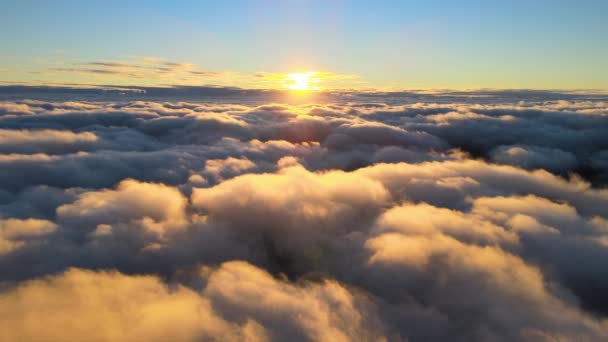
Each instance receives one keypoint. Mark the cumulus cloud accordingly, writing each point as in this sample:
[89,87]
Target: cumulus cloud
[238,302]
[128,308]
[156,207]
[534,157]
[36,141]
[15,233]
[475,216]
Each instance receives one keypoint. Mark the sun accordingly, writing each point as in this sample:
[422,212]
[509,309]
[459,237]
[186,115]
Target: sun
[300,81]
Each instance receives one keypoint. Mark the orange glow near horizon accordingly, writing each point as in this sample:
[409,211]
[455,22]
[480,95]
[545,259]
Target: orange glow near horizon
[301,81]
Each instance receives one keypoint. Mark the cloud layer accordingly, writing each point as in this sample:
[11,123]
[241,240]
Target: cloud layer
[477,219]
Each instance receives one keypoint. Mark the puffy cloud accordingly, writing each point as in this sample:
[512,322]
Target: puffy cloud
[403,216]
[15,233]
[156,207]
[315,311]
[32,141]
[293,216]
[239,302]
[105,306]
[227,167]
[554,160]
[14,108]
[424,219]
[507,298]
[449,183]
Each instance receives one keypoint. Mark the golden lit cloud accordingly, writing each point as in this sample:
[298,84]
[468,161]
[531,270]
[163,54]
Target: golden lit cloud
[16,233]
[356,220]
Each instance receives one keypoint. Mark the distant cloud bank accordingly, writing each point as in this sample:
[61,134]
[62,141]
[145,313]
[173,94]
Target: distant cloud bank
[467,216]
[160,72]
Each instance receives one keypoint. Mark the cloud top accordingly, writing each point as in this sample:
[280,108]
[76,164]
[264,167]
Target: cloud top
[378,217]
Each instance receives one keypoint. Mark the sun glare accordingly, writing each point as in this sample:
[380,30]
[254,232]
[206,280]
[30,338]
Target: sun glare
[300,81]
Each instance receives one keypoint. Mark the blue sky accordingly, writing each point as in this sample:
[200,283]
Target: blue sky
[401,44]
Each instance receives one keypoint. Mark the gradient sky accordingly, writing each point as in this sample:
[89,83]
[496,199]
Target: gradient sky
[360,44]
